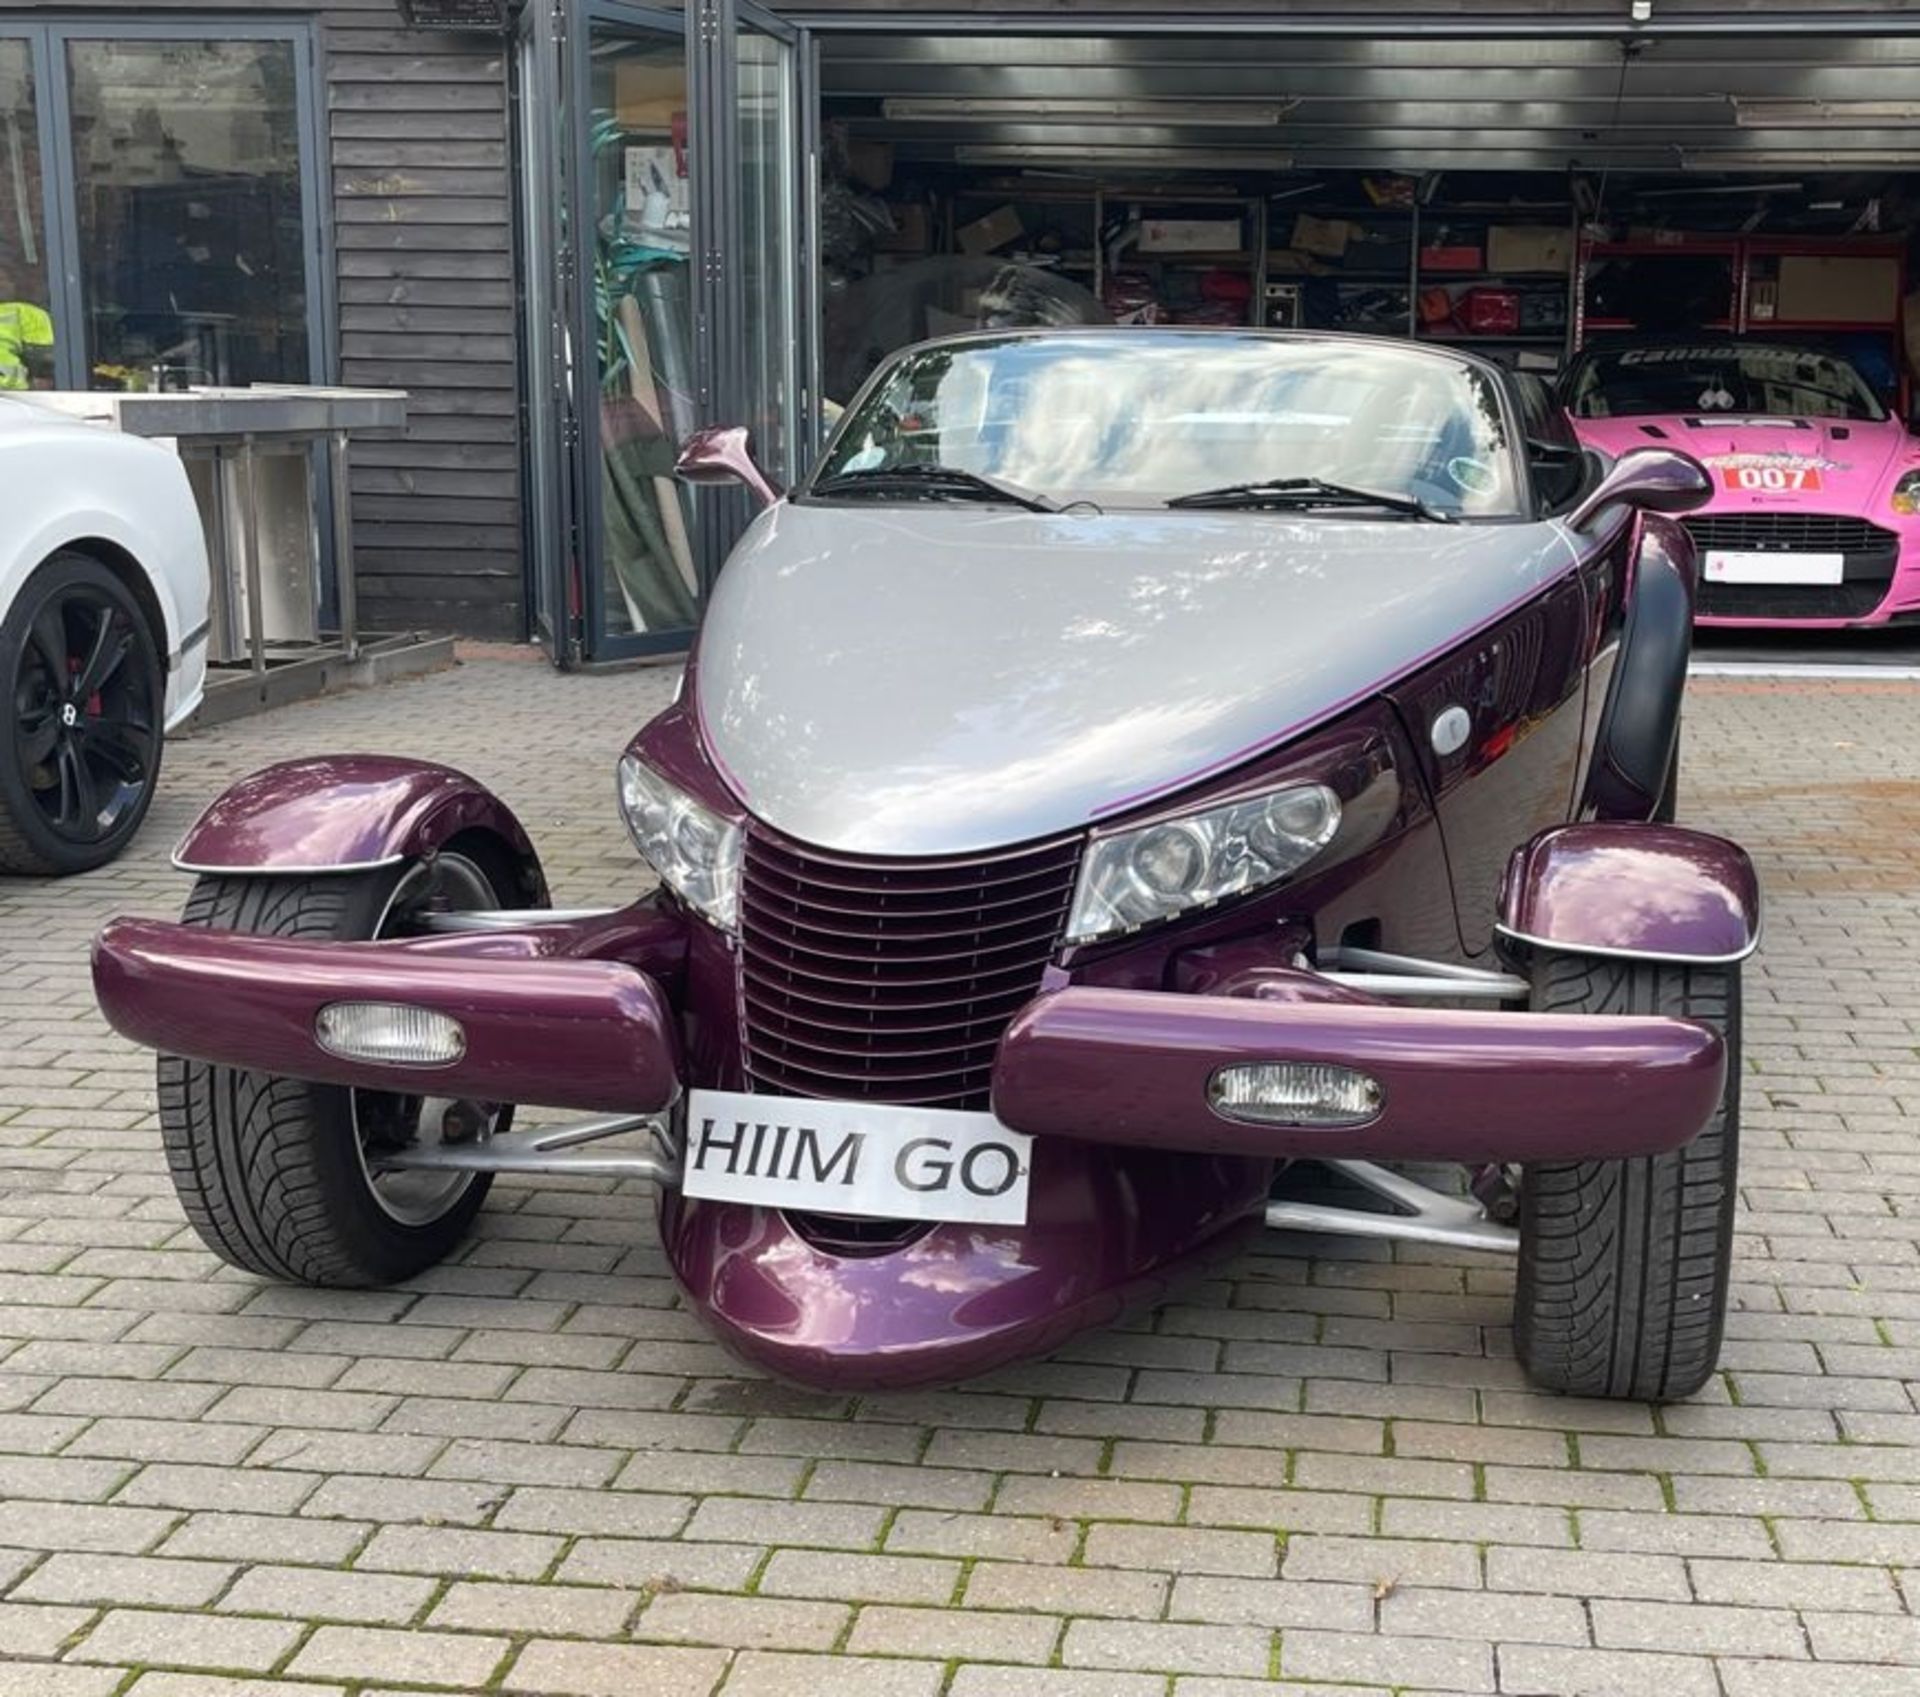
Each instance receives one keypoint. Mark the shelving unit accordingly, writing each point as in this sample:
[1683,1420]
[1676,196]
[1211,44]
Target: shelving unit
[1085,257]
[1377,283]
[1753,263]
[1251,210]
[1411,235]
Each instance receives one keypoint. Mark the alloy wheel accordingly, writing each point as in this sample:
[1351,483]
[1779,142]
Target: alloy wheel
[83,725]
[385,1122]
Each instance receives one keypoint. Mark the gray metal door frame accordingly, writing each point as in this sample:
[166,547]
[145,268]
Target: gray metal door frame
[709,29]
[548,410]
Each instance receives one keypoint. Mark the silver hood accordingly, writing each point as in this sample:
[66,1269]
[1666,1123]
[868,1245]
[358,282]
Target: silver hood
[934,680]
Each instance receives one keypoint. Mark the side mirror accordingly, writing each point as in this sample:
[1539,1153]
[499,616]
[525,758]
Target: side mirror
[1656,480]
[723,453]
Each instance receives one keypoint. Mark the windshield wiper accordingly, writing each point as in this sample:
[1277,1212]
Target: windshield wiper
[934,480]
[1310,492]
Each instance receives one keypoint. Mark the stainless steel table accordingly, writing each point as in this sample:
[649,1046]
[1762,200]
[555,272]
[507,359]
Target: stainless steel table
[249,455]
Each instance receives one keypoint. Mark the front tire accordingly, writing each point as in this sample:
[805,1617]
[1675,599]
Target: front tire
[1624,1264]
[281,1176]
[85,692]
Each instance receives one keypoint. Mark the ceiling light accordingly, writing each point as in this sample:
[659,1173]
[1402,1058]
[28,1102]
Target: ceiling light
[1045,110]
[1821,114]
[1797,159]
[1095,153]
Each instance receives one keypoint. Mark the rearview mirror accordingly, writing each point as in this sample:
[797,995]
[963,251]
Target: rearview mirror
[1656,480]
[723,453]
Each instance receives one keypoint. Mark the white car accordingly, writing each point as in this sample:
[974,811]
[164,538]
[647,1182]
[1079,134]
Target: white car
[103,633]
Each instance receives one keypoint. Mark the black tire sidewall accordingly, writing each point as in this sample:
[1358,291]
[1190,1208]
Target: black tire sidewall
[27,843]
[1666,1299]
[363,1243]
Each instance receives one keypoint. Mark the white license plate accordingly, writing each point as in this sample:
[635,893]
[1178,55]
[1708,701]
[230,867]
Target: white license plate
[1724,566]
[867,1159]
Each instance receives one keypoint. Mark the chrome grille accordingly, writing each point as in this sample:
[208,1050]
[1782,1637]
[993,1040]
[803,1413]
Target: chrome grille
[892,980]
[1791,533]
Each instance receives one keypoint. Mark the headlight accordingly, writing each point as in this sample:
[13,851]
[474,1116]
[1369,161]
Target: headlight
[1137,877]
[1906,494]
[695,851]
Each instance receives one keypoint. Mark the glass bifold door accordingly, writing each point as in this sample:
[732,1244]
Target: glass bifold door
[663,158]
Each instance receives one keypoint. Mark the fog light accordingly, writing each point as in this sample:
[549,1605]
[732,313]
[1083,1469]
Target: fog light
[389,1032]
[1305,1093]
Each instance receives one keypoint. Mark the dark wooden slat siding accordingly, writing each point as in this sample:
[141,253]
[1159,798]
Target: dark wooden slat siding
[423,225]
[416,129]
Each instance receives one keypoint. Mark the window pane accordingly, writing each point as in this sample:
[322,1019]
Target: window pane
[26,329]
[642,240]
[187,175]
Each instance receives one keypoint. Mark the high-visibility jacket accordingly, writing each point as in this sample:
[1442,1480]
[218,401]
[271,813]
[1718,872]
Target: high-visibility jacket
[22,326]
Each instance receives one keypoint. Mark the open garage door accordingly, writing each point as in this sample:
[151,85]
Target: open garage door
[1732,207]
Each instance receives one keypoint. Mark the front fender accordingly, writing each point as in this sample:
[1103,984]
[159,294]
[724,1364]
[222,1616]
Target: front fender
[1654,892]
[349,813]
[1633,747]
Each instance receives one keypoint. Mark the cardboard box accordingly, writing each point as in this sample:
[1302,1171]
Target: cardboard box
[1190,235]
[1290,262]
[647,96]
[1326,238]
[912,231]
[1839,288]
[1524,247]
[983,235]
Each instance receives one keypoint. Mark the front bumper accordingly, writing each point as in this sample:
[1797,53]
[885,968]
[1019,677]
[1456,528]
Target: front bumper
[1880,577]
[1136,1182]
[565,1033]
[1119,1067]
[1132,1067]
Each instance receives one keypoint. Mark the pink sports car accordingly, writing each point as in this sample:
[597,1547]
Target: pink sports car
[1815,517]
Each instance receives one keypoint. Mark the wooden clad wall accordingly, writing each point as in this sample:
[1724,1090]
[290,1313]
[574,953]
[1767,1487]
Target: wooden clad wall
[423,240]
[416,128]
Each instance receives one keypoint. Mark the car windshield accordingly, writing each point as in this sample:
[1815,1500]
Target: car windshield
[1141,418]
[1745,379]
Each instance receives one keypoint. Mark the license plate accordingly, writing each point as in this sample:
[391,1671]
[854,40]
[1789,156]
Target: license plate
[1725,567]
[867,1159]
[1771,479]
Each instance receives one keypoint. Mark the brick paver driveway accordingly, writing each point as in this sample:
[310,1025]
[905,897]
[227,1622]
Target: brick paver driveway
[530,1472]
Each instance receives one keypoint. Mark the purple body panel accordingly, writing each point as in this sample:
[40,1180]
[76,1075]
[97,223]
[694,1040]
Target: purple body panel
[1117,1066]
[566,1033]
[1107,1229]
[346,810]
[1521,685]
[1656,891]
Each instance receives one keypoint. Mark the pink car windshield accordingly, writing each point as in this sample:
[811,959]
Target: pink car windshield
[1737,379]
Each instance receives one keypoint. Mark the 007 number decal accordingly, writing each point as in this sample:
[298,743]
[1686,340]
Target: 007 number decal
[1770,479]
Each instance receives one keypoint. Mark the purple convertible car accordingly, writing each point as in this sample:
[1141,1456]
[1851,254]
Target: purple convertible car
[1135,771]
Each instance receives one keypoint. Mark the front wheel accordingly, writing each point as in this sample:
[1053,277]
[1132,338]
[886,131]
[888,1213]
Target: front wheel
[85,688]
[1624,1264]
[284,1177]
